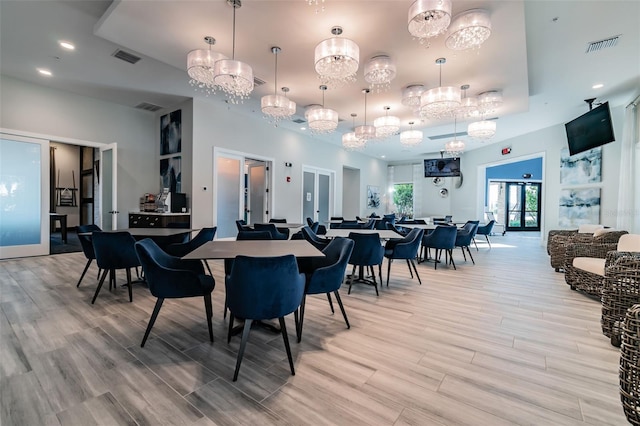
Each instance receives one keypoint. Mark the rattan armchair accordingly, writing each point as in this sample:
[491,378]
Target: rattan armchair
[581,272]
[555,246]
[630,366]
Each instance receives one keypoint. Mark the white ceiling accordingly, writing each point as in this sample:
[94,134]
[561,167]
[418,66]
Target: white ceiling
[535,56]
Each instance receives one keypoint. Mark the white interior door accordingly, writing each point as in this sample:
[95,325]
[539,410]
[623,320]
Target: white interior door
[229,193]
[317,194]
[24,200]
[108,187]
[257,200]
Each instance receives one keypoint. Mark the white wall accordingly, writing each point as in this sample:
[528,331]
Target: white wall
[37,109]
[216,124]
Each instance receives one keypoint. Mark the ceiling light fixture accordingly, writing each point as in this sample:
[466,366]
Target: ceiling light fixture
[318,4]
[387,125]
[597,86]
[428,19]
[350,141]
[469,29]
[489,102]
[483,129]
[67,45]
[379,71]
[454,147]
[468,105]
[365,132]
[277,107]
[410,138]
[45,72]
[200,67]
[440,102]
[411,95]
[337,59]
[321,119]
[235,78]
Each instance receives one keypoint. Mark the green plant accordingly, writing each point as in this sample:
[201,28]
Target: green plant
[403,199]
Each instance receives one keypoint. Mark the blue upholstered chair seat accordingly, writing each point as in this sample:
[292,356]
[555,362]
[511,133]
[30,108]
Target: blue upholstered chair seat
[367,252]
[441,238]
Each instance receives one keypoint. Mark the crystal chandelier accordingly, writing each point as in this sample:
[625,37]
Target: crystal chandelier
[490,101]
[410,138]
[387,125]
[379,71]
[440,102]
[365,132]
[321,119]
[469,29]
[318,4]
[200,66]
[429,18]
[468,105]
[277,107]
[454,147]
[350,141]
[484,129]
[337,60]
[235,78]
[411,95]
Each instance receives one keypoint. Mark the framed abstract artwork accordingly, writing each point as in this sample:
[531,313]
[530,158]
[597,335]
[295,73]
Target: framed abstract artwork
[582,168]
[171,174]
[373,197]
[171,133]
[579,206]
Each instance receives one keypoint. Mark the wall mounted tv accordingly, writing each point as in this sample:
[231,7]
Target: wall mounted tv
[441,167]
[590,130]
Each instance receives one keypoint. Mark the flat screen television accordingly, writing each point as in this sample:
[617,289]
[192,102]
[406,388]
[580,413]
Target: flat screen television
[590,130]
[441,167]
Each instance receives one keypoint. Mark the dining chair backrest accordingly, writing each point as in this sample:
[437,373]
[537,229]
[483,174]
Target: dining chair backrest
[85,240]
[371,223]
[350,224]
[470,226]
[277,220]
[254,235]
[182,249]
[115,250]
[312,237]
[264,287]
[448,218]
[407,247]
[367,249]
[271,228]
[465,235]
[328,272]
[486,229]
[443,237]
[241,224]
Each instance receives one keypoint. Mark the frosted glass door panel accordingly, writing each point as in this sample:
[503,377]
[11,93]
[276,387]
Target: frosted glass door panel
[229,193]
[108,187]
[24,219]
[257,192]
[308,196]
[324,190]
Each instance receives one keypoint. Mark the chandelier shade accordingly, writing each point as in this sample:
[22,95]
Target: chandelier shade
[484,129]
[428,18]
[201,64]
[366,132]
[379,71]
[410,138]
[235,78]
[277,107]
[337,60]
[489,102]
[411,95]
[386,125]
[321,120]
[454,148]
[351,142]
[440,102]
[469,29]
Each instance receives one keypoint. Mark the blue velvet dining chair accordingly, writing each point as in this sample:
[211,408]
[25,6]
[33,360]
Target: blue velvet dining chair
[261,288]
[442,238]
[367,253]
[276,234]
[241,224]
[326,276]
[318,242]
[316,227]
[404,248]
[114,250]
[277,220]
[464,237]
[485,230]
[87,247]
[182,249]
[170,277]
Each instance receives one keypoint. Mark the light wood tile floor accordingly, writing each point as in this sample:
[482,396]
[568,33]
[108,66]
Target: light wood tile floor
[502,342]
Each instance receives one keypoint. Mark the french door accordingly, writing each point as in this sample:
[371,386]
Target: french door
[523,201]
[108,178]
[316,194]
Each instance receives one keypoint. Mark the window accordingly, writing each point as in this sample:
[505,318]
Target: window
[403,199]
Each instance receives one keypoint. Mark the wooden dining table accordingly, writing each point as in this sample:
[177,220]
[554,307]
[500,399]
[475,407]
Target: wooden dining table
[385,234]
[223,249]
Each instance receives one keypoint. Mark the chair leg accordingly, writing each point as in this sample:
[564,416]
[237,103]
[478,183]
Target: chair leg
[231,318]
[353,272]
[209,310]
[285,337]
[473,261]
[488,241]
[375,282]
[330,303]
[410,271]
[243,343]
[436,259]
[463,253]
[411,262]
[130,285]
[380,272]
[207,265]
[301,318]
[152,320]
[84,272]
[344,313]
[475,244]
[451,257]
[388,271]
[104,275]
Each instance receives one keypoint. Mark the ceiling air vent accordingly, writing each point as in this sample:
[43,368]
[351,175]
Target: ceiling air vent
[448,135]
[126,56]
[257,82]
[595,46]
[299,120]
[148,107]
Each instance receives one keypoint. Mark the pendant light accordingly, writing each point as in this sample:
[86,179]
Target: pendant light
[321,119]
[277,107]
[440,102]
[365,132]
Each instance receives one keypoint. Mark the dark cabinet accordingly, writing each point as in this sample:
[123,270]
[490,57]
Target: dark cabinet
[146,220]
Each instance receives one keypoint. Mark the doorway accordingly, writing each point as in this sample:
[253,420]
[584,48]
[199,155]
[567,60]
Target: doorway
[523,201]
[317,194]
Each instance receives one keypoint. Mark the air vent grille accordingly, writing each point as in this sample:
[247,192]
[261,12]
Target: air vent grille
[257,82]
[299,120]
[448,135]
[596,46]
[148,107]
[126,56]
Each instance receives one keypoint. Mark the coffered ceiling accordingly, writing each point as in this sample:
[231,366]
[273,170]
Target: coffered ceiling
[535,56]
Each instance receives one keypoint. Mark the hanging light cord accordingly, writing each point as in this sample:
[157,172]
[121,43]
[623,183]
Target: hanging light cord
[233,48]
[275,84]
[323,99]
[365,108]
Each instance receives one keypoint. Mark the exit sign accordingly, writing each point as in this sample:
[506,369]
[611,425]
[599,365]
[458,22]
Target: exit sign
[506,151]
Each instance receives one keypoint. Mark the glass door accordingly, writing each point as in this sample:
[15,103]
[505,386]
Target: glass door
[108,178]
[316,194]
[523,201]
[24,201]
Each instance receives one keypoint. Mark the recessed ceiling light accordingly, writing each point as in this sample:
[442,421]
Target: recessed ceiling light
[383,156]
[44,72]
[67,45]
[597,86]
[303,128]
